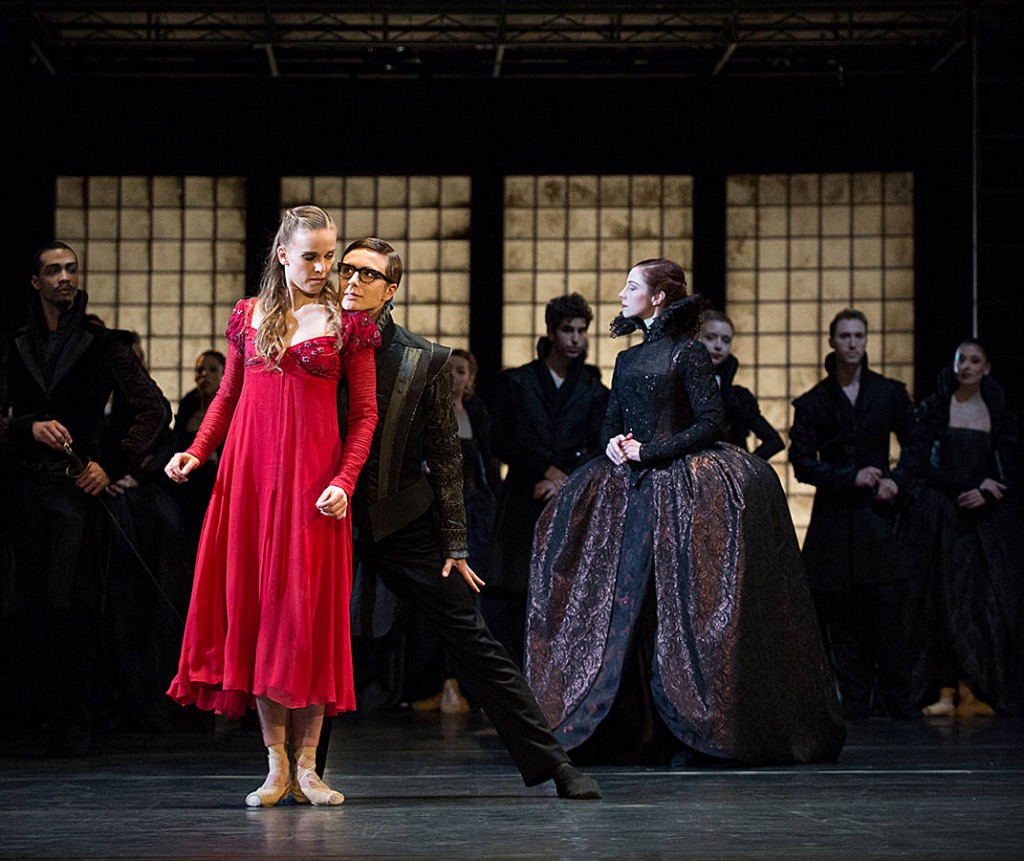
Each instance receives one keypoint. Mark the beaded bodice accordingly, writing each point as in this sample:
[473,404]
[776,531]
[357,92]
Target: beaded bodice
[318,356]
[664,393]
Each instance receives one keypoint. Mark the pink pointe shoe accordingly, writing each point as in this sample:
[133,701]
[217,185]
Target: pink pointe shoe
[278,779]
[308,788]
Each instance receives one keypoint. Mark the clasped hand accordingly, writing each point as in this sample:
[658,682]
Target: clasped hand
[552,482]
[975,497]
[621,448]
[871,477]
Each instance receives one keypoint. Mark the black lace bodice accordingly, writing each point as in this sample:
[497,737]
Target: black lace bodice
[664,393]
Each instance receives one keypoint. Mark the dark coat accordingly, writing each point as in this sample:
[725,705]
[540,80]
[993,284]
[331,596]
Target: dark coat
[536,426]
[488,471]
[850,538]
[94,363]
[69,376]
[481,486]
[415,462]
[743,415]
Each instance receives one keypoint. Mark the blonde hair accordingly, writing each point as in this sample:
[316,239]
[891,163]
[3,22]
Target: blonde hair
[275,299]
[470,390]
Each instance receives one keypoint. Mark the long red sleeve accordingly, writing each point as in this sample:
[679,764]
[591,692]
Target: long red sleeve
[361,378]
[218,416]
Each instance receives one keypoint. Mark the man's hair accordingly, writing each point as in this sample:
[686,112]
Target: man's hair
[393,271]
[55,245]
[567,307]
[846,314]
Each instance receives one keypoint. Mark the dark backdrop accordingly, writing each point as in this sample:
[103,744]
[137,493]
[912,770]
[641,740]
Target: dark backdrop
[265,128]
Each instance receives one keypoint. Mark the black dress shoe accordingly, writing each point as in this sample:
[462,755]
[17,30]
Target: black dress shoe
[574,784]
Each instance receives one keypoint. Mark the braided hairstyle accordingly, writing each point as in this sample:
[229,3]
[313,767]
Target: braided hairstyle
[275,299]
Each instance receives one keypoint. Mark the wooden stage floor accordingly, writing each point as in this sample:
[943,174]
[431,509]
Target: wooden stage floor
[428,786]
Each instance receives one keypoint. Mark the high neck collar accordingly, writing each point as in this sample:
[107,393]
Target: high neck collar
[679,318]
[69,318]
[386,326]
[832,365]
[383,318]
[726,371]
[655,327]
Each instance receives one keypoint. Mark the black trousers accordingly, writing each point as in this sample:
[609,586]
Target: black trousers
[409,563]
[56,587]
[869,648]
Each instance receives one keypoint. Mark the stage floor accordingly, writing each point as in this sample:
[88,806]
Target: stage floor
[423,785]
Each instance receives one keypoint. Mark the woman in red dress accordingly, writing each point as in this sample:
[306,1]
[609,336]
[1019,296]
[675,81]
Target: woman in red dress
[268,620]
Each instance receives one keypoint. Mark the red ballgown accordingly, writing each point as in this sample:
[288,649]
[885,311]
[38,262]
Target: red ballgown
[269,614]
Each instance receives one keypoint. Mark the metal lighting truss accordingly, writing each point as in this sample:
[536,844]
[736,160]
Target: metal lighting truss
[476,40]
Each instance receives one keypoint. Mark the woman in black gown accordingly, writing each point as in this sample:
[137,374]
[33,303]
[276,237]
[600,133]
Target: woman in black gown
[742,412]
[965,525]
[668,603]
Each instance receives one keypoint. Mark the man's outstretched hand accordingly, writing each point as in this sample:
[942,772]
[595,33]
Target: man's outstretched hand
[468,574]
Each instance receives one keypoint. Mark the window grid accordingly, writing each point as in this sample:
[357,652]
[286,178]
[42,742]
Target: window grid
[163,256]
[581,234]
[800,248]
[426,219]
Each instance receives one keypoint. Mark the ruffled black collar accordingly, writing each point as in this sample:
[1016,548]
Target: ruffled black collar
[680,318]
[726,371]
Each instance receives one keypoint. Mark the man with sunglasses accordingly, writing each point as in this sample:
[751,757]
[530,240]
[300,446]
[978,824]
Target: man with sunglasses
[410,525]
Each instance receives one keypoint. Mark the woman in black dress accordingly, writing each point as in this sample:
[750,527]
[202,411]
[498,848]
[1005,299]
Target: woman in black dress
[668,603]
[965,525]
[742,412]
